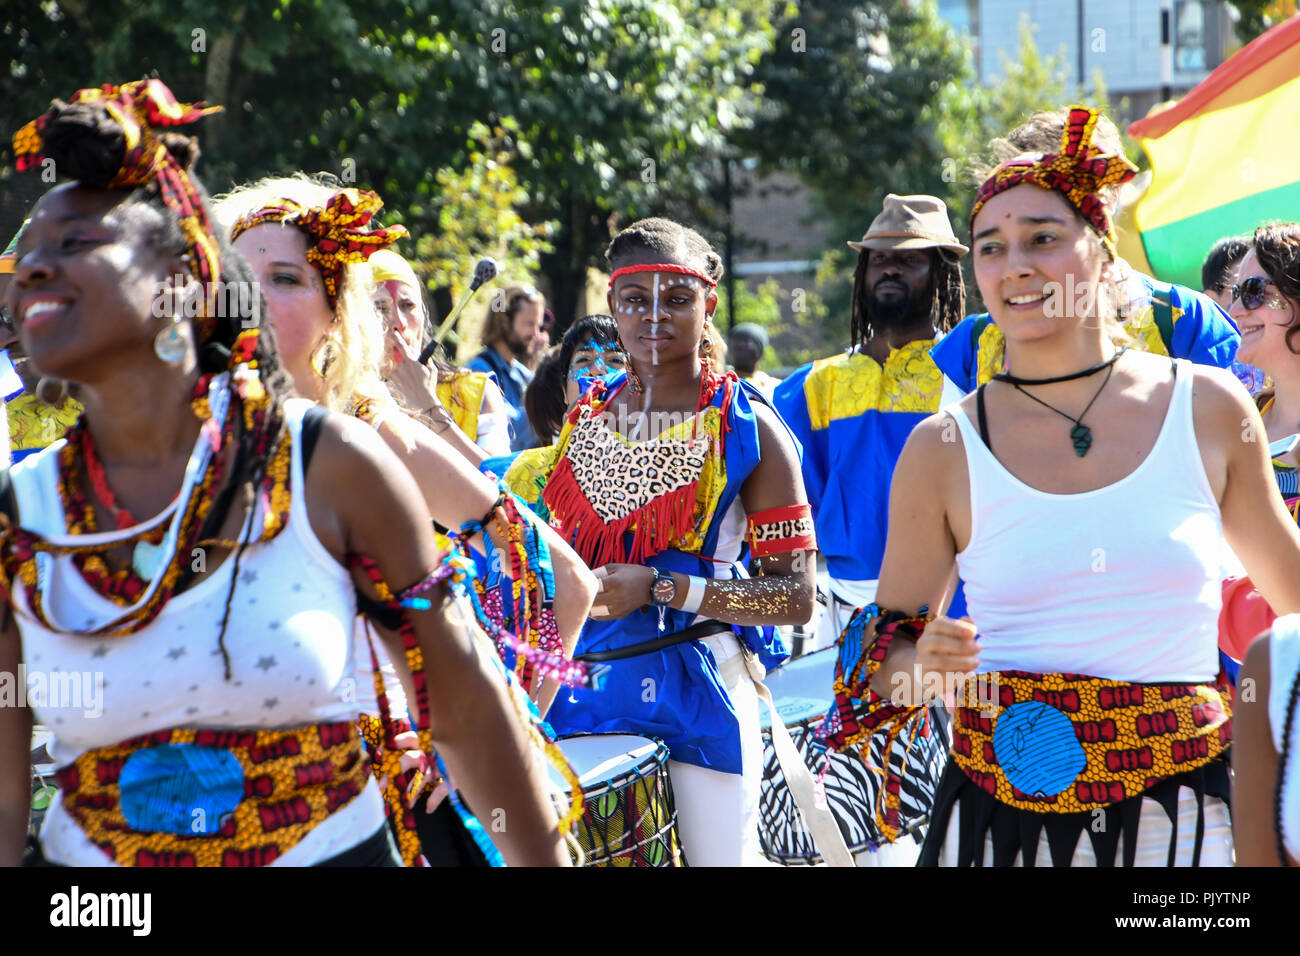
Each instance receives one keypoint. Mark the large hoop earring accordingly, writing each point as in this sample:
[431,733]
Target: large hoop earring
[43,387]
[322,358]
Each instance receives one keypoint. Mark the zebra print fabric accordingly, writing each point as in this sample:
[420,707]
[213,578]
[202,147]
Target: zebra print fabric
[851,787]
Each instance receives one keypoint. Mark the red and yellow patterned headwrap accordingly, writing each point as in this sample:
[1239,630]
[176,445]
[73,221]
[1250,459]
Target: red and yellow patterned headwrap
[140,108]
[1079,172]
[337,232]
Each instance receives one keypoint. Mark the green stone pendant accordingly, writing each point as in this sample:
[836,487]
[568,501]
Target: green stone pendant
[1081,435]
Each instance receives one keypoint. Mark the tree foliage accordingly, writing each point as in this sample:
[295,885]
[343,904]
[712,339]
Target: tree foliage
[1257,16]
[616,108]
[853,94]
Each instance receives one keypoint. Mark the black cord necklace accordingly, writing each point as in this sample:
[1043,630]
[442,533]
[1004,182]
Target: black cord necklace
[1080,434]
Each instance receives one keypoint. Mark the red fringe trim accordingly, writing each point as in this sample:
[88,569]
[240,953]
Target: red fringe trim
[658,524]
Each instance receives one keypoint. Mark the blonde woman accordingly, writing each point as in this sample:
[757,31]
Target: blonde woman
[298,235]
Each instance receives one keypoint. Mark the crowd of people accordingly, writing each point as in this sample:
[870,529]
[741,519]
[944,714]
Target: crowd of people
[347,607]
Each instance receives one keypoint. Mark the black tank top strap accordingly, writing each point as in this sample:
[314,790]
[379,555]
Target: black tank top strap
[983,417]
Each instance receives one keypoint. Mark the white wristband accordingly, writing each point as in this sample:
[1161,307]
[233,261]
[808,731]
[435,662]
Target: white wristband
[694,594]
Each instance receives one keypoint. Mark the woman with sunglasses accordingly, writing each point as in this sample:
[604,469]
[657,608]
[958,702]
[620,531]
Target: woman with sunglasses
[1266,784]
[1270,337]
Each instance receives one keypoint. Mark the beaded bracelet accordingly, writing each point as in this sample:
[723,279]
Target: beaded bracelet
[471,528]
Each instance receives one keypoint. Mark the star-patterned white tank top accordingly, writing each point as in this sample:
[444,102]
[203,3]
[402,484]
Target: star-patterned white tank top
[289,638]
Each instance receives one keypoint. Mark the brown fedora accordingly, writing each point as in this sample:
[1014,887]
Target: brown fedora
[911,222]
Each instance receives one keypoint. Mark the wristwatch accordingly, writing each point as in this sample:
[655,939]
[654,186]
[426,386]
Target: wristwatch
[664,589]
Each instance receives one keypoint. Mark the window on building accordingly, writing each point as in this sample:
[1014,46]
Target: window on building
[1189,36]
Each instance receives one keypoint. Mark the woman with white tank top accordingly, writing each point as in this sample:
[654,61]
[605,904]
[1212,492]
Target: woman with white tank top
[1082,496]
[193,665]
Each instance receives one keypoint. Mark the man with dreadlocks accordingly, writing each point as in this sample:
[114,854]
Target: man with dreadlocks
[853,412]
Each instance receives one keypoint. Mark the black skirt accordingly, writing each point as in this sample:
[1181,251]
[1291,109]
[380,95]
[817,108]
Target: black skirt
[1014,831]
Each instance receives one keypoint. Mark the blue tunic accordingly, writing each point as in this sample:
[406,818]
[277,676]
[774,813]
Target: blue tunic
[1200,331]
[853,416]
[675,694]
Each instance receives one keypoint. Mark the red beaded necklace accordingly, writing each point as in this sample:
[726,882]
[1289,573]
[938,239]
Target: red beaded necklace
[99,482]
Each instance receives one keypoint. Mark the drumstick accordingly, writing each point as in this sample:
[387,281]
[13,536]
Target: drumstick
[484,272]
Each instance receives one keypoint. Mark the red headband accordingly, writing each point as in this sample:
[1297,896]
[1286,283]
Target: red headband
[663,267]
[1079,172]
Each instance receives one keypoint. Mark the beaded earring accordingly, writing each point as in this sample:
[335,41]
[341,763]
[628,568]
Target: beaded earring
[706,348]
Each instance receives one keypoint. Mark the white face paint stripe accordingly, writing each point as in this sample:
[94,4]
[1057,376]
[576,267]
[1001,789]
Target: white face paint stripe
[654,323]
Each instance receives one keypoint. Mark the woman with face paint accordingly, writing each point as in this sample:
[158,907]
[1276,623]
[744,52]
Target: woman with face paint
[191,548]
[1084,496]
[588,353]
[452,402]
[667,480]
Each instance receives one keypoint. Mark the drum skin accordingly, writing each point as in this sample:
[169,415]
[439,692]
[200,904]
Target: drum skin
[802,691]
[628,814]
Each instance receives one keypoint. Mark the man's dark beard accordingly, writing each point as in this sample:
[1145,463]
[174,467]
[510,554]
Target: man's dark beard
[518,348]
[904,312]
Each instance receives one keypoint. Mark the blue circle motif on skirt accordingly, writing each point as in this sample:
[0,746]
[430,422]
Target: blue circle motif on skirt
[180,788]
[1037,749]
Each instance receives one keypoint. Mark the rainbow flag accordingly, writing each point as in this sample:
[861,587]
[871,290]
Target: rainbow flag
[1224,158]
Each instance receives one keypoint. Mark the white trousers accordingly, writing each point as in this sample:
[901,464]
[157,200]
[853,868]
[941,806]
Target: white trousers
[717,813]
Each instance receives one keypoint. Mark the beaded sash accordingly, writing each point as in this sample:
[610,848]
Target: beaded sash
[212,797]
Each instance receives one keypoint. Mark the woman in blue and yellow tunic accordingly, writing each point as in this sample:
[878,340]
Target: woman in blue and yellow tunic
[440,395]
[697,475]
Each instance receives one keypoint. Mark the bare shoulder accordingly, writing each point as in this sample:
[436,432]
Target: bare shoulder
[1219,393]
[348,445]
[934,447]
[494,399]
[350,456]
[773,435]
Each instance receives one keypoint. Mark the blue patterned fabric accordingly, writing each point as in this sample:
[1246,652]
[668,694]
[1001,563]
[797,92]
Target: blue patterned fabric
[1202,333]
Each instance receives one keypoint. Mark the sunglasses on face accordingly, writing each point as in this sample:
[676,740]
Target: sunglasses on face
[1252,294]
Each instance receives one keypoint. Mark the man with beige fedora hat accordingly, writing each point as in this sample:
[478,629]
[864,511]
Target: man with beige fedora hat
[853,412]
